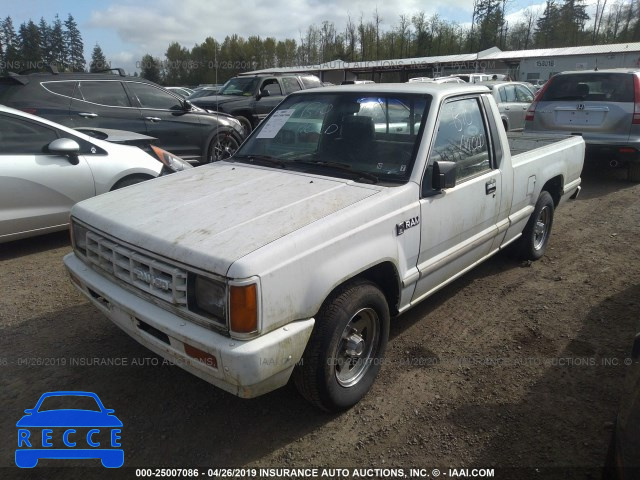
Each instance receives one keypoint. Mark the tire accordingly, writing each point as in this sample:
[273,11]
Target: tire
[346,348]
[127,181]
[222,146]
[633,172]
[247,127]
[535,236]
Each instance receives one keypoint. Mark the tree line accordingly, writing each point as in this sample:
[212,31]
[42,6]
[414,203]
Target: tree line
[562,23]
[34,46]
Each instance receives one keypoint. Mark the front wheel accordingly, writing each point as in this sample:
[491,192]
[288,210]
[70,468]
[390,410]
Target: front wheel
[346,348]
[535,236]
[222,146]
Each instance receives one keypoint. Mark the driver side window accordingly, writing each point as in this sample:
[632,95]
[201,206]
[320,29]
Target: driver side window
[461,137]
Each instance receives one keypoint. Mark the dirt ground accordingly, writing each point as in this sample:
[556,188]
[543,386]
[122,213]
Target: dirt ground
[515,366]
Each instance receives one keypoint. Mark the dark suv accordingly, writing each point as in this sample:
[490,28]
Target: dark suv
[107,100]
[250,98]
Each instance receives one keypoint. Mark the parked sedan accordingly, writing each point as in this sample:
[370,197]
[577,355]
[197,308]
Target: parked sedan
[46,168]
[513,99]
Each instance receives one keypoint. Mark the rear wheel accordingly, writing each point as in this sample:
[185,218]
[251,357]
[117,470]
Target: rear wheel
[222,146]
[535,236]
[345,352]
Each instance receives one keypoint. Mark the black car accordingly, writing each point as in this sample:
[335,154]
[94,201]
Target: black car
[250,98]
[108,100]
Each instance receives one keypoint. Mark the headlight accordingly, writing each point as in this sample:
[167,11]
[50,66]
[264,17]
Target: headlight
[79,236]
[208,298]
[169,160]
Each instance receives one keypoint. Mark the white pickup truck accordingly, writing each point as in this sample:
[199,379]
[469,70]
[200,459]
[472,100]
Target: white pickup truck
[345,207]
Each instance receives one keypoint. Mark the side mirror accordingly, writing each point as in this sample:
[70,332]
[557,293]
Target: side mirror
[187,105]
[444,175]
[65,146]
[263,93]
[29,411]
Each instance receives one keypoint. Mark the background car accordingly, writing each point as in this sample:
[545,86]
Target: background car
[513,99]
[603,106]
[204,91]
[250,98]
[118,101]
[183,92]
[47,168]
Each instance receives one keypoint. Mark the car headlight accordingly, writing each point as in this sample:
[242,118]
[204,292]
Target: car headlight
[208,298]
[239,303]
[169,160]
[79,237]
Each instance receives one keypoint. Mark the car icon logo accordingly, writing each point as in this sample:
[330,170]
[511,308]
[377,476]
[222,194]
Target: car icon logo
[54,430]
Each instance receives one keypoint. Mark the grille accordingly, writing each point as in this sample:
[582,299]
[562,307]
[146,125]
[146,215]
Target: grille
[152,276]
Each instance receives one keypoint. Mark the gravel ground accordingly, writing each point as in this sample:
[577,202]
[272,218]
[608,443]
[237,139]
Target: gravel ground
[516,367]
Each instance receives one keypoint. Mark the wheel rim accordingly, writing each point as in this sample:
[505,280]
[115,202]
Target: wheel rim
[357,347]
[541,228]
[223,147]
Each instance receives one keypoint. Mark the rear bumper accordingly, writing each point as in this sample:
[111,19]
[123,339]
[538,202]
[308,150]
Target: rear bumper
[621,153]
[245,368]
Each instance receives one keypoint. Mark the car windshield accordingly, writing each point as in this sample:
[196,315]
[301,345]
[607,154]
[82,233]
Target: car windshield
[369,137]
[239,86]
[66,402]
[593,86]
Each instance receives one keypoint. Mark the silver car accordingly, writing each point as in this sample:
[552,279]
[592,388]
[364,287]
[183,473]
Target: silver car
[513,99]
[603,106]
[47,168]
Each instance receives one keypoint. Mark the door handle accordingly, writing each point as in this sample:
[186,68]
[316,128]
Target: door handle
[88,114]
[490,187]
[153,119]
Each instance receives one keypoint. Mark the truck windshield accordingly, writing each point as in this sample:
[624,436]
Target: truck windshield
[374,135]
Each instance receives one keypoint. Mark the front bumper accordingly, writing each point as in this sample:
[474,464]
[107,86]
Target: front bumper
[246,368]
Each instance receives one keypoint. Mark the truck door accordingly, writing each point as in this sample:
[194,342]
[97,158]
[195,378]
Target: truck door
[458,224]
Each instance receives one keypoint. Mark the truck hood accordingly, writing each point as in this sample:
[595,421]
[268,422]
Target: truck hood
[211,216]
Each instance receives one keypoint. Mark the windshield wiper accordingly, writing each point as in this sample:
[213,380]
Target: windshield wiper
[343,167]
[260,158]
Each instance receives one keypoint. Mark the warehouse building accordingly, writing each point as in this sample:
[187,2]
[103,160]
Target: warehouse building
[524,65]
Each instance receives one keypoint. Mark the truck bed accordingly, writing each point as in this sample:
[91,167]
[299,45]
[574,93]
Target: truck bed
[520,142]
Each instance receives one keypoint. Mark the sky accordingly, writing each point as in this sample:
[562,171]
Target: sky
[128,29]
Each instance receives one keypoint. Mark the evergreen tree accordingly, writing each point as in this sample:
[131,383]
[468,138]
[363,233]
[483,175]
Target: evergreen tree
[29,40]
[11,46]
[150,68]
[57,44]
[98,60]
[573,18]
[548,26]
[45,40]
[74,47]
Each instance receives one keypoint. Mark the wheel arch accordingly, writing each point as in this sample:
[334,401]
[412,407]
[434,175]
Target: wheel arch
[384,275]
[143,177]
[554,186]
